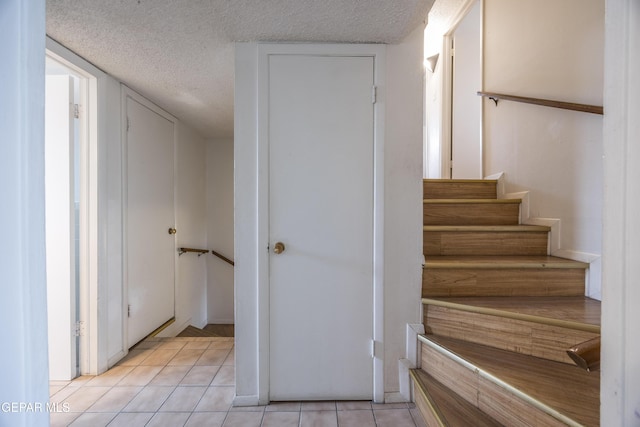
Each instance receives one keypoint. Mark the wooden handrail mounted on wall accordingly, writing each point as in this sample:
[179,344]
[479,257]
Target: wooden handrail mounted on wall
[222,257]
[495,97]
[198,251]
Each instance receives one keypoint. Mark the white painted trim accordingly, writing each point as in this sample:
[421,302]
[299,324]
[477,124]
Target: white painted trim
[394,397]
[412,348]
[246,401]
[447,95]
[93,285]
[263,52]
[125,93]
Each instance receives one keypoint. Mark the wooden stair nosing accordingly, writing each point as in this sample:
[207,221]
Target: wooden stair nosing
[432,391]
[503,262]
[487,228]
[496,380]
[550,321]
[472,201]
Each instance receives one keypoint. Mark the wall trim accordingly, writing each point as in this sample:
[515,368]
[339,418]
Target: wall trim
[246,401]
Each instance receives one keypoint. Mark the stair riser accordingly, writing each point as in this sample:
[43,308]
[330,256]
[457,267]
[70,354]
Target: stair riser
[495,401]
[459,190]
[471,214]
[425,410]
[456,282]
[545,341]
[484,243]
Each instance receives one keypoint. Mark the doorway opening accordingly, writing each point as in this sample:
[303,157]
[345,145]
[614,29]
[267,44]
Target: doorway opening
[69,217]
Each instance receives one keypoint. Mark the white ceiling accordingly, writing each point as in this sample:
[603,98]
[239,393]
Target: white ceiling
[180,54]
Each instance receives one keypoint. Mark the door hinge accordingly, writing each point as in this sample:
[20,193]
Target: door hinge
[76,111]
[79,329]
[373,349]
[374,94]
[129,310]
[128,123]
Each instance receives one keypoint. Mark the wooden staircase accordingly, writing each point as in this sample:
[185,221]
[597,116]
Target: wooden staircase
[500,315]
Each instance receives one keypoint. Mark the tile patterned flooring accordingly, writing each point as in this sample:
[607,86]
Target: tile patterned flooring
[186,381]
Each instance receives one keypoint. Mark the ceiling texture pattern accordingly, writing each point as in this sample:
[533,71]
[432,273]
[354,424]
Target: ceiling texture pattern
[180,53]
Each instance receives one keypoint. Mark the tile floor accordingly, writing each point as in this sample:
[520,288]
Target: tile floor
[190,382]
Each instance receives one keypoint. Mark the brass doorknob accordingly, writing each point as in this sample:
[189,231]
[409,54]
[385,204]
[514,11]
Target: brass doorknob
[172,230]
[278,248]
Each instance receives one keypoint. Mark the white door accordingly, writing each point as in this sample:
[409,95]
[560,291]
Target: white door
[60,227]
[321,209]
[150,216]
[466,104]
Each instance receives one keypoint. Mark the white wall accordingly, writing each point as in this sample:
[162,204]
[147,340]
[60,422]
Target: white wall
[554,50]
[191,223]
[403,198]
[23,306]
[220,290]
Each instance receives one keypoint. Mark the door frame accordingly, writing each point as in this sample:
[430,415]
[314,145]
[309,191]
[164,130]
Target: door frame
[127,93]
[92,356]
[377,52]
[447,85]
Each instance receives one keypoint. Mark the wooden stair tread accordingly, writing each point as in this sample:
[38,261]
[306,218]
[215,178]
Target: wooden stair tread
[460,181]
[497,261]
[459,188]
[449,408]
[488,228]
[580,313]
[564,388]
[472,201]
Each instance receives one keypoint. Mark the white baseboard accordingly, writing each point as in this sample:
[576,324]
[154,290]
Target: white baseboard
[221,321]
[412,351]
[174,329]
[394,397]
[246,401]
[593,286]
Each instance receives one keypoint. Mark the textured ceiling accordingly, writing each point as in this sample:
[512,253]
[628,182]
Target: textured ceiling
[179,53]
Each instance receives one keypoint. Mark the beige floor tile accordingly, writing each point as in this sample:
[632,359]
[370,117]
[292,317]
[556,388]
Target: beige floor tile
[172,343]
[183,399]
[115,399]
[225,376]
[417,417]
[243,419]
[170,375]
[62,419]
[231,358]
[91,419]
[318,419]
[319,406]
[169,419]
[281,419]
[53,389]
[140,375]
[247,409]
[220,345]
[206,419]
[187,357]
[146,344]
[216,398]
[202,345]
[200,375]
[377,406]
[160,357]
[353,405]
[393,418]
[110,378]
[150,399]
[134,357]
[356,418]
[215,357]
[284,406]
[84,397]
[63,394]
[81,380]
[132,419]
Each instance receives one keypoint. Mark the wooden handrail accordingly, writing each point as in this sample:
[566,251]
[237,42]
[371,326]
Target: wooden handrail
[587,354]
[594,109]
[198,251]
[222,257]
